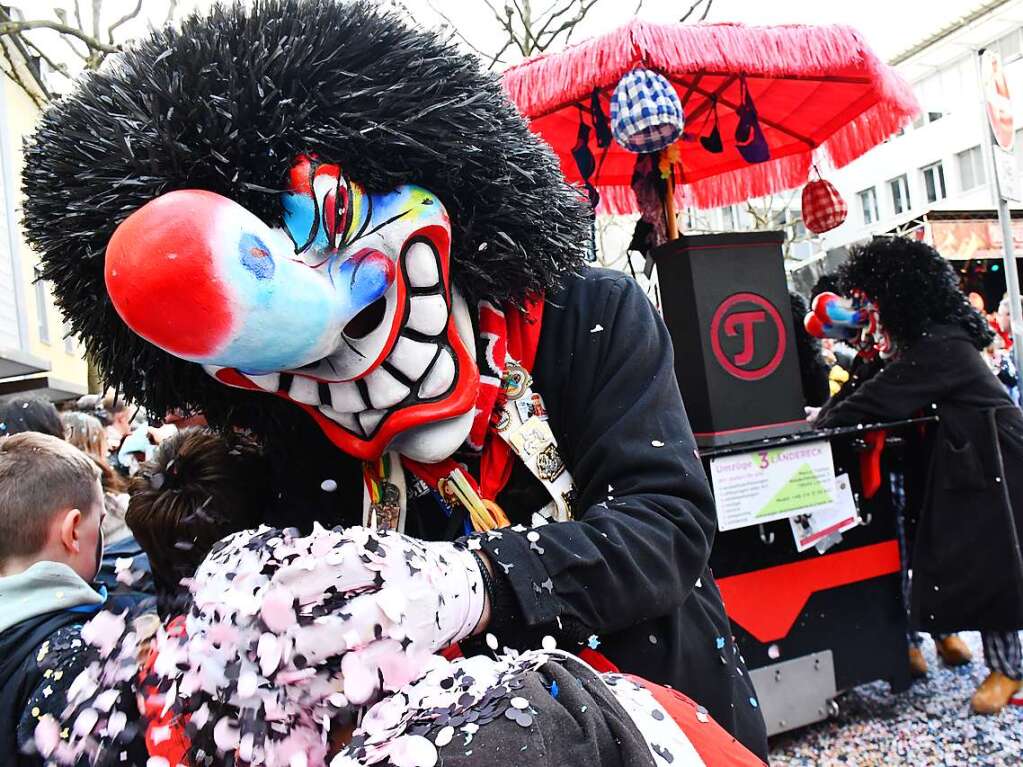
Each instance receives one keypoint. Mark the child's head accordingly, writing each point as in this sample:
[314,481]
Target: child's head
[85,432]
[51,505]
[197,488]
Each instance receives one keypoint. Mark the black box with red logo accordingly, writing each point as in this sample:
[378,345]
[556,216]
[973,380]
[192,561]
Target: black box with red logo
[726,304]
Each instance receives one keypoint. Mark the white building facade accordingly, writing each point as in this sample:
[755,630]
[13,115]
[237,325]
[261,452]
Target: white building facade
[940,163]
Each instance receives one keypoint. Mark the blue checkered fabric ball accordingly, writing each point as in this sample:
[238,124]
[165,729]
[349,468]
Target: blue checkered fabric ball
[646,114]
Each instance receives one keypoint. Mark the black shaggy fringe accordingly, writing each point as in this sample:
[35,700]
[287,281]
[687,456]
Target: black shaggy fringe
[914,288]
[225,102]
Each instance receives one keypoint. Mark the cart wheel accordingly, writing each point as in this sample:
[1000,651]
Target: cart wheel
[833,708]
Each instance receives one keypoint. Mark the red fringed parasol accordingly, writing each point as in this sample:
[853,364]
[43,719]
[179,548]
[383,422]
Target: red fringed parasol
[813,87]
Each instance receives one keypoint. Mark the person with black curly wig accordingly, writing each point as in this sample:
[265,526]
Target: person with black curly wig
[312,221]
[966,558]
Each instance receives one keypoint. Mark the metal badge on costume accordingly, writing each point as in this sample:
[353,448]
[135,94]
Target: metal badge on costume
[348,312]
[522,423]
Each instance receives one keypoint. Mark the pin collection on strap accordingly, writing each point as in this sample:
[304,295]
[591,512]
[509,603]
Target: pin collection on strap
[520,421]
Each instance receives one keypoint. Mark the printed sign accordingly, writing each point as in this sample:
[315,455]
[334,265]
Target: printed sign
[775,483]
[813,529]
[997,99]
[1008,175]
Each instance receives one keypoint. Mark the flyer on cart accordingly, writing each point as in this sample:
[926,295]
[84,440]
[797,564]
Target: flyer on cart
[773,483]
[810,529]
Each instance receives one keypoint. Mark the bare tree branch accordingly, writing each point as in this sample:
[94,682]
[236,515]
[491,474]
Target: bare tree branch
[690,12]
[172,9]
[16,77]
[524,13]
[97,9]
[78,15]
[505,22]
[706,10]
[555,15]
[451,25]
[584,8]
[14,27]
[497,56]
[61,68]
[123,20]
[61,15]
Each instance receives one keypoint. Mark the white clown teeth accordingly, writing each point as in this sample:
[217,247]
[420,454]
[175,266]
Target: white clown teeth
[269,382]
[421,266]
[412,357]
[370,419]
[427,314]
[345,397]
[304,390]
[384,389]
[440,378]
[347,420]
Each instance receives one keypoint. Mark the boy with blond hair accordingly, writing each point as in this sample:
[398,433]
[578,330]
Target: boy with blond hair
[51,508]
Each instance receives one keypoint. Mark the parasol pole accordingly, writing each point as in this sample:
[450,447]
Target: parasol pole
[1005,222]
[670,214]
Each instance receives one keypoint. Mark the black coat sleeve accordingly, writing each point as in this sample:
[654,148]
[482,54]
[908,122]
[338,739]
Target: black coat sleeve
[645,519]
[922,376]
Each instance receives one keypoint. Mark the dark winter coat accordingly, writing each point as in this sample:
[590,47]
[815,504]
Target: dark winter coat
[967,563]
[631,570]
[39,659]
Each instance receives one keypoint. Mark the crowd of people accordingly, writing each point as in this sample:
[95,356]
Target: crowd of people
[448,507]
[80,646]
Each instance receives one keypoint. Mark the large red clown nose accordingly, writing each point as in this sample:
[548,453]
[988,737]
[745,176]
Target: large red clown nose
[162,277]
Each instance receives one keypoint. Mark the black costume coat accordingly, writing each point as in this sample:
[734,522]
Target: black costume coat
[631,570]
[967,566]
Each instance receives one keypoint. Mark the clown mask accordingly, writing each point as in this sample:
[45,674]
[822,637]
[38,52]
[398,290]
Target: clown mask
[348,311]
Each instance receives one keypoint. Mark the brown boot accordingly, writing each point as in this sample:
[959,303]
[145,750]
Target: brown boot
[917,662]
[953,650]
[994,693]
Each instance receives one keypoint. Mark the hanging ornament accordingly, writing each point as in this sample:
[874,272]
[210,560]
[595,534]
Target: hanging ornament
[749,136]
[646,114]
[601,124]
[823,207]
[712,141]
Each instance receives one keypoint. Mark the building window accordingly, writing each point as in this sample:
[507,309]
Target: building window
[899,189]
[971,168]
[868,204]
[728,218]
[934,182]
[41,317]
[1008,46]
[69,340]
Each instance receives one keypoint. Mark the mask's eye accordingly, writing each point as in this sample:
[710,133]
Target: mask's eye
[318,208]
[337,213]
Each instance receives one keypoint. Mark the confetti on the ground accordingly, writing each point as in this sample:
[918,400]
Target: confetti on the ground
[930,724]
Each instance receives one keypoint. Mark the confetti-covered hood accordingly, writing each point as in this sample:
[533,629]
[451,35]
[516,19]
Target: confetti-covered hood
[45,587]
[263,272]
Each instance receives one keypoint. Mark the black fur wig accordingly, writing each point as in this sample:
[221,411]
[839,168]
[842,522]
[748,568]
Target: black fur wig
[227,101]
[914,288]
